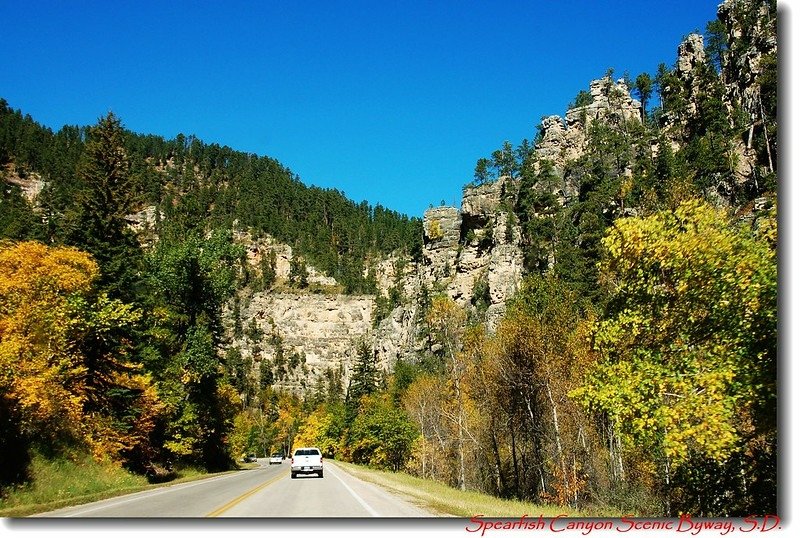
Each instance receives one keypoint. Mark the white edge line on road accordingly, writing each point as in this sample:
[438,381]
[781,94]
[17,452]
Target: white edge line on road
[355,495]
[137,496]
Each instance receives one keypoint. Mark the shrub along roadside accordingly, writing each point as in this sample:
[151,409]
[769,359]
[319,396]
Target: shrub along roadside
[61,482]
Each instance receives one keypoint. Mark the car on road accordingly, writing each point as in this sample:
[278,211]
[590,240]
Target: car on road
[249,458]
[306,460]
[276,458]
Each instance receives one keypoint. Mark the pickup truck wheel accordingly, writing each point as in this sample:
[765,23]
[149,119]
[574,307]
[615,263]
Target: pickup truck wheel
[320,474]
[294,475]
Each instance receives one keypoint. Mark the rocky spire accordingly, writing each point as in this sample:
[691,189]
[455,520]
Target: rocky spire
[564,140]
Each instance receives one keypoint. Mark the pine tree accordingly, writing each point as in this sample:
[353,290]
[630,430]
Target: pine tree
[364,380]
[104,202]
[644,89]
[298,273]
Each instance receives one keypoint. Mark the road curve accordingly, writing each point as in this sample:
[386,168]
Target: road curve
[267,491]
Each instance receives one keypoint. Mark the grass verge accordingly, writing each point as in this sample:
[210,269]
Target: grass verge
[67,482]
[442,500]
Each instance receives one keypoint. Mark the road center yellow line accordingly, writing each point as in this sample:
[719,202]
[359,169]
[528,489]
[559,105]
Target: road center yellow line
[244,496]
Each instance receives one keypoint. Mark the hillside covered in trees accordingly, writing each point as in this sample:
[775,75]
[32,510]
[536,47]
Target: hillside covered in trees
[194,187]
[634,370]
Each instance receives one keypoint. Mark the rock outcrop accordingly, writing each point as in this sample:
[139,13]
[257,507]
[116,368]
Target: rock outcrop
[398,336]
[442,233]
[29,183]
[473,255]
[564,140]
[611,102]
[557,144]
[751,34]
[750,28]
[258,249]
[691,55]
[143,223]
[684,88]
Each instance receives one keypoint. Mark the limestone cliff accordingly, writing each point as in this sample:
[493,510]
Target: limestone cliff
[261,249]
[751,31]
[300,336]
[752,35]
[29,183]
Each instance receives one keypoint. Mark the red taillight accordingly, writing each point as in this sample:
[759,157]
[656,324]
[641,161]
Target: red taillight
[292,460]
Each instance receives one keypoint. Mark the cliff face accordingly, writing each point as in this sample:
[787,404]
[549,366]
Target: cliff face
[474,255]
[686,87]
[752,35]
[302,336]
[258,250]
[564,140]
[751,31]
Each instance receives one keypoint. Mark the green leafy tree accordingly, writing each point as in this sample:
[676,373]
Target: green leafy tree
[195,276]
[17,219]
[188,283]
[716,40]
[266,377]
[323,428]
[382,435]
[583,98]
[238,371]
[505,162]
[536,207]
[267,265]
[662,81]
[482,174]
[244,436]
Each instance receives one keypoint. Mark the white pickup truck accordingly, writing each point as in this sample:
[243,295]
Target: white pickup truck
[306,460]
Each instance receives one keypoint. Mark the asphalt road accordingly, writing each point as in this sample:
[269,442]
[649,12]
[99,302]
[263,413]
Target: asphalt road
[267,491]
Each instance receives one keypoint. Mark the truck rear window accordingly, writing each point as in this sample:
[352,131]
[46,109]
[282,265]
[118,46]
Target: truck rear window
[307,452]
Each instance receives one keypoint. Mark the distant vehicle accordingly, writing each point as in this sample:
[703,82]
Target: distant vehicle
[307,460]
[276,458]
[250,458]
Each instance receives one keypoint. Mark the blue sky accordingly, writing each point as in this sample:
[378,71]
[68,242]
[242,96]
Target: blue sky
[391,102]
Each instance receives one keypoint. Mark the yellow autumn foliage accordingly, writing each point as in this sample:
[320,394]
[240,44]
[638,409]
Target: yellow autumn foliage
[690,356]
[39,367]
[312,431]
[47,309]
